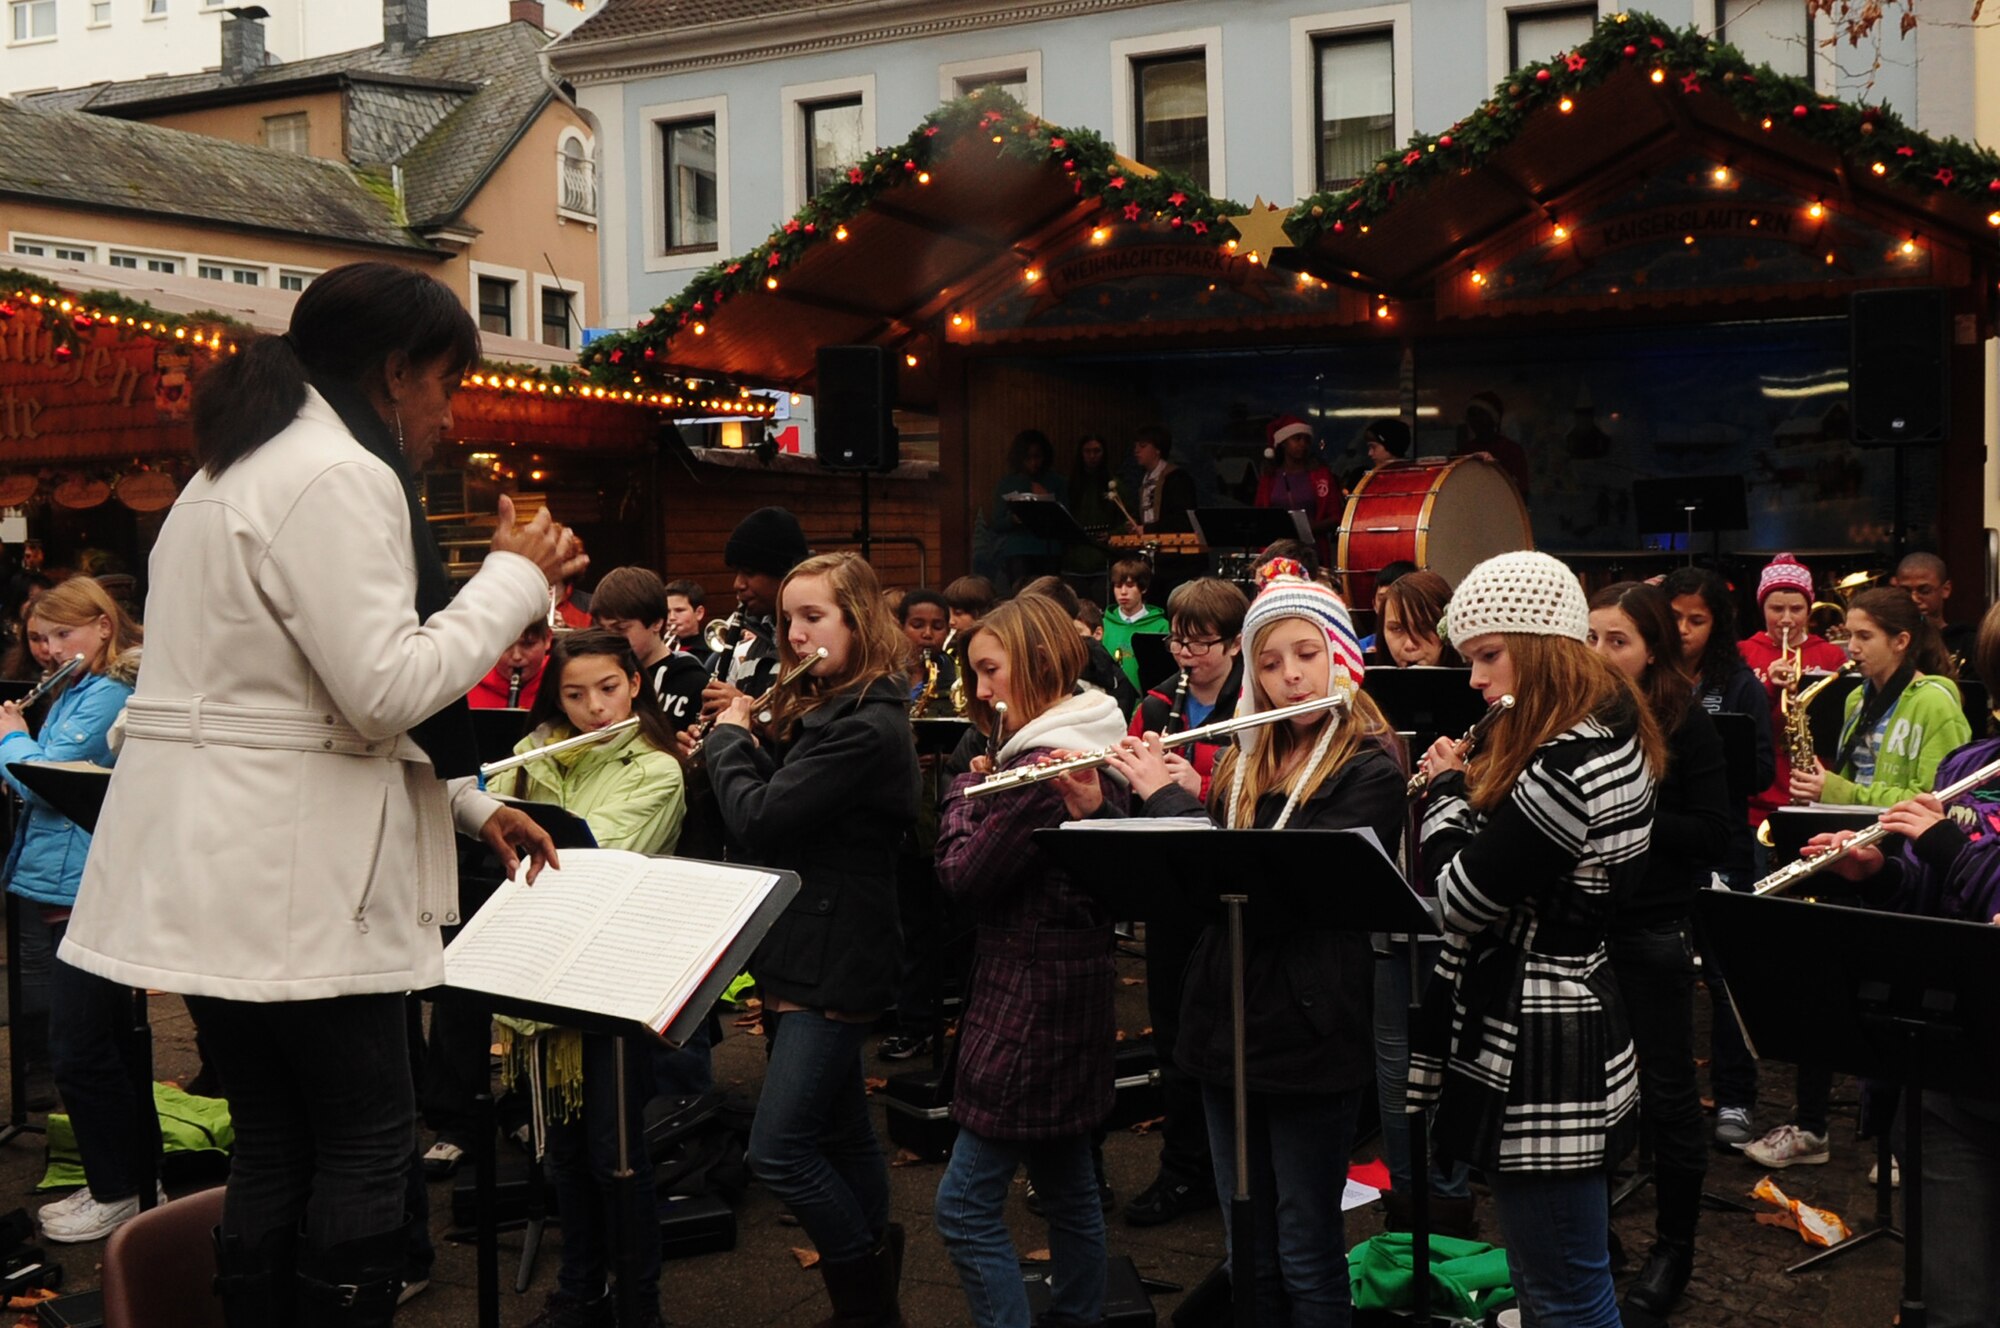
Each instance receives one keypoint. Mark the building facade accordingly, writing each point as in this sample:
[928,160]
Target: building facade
[52,44]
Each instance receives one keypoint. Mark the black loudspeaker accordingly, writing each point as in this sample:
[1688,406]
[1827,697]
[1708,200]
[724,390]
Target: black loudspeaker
[854,408]
[1897,365]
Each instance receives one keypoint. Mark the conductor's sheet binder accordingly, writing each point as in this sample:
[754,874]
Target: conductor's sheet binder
[618,935]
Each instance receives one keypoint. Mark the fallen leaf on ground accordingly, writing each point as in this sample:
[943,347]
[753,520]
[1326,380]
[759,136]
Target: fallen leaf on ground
[872,1084]
[806,1258]
[1147,1031]
[1133,982]
[1148,1126]
[1036,1256]
[905,1158]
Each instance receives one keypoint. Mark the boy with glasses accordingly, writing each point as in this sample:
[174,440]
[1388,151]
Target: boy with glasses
[1205,619]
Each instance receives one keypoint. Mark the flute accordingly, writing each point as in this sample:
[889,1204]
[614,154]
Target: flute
[1022,776]
[590,739]
[1792,873]
[1466,745]
[50,683]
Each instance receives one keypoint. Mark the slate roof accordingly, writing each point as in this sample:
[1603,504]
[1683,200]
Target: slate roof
[638,18]
[104,163]
[446,111]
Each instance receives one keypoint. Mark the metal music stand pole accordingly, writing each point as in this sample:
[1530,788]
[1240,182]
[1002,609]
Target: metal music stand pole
[1242,1232]
[622,1184]
[17,1069]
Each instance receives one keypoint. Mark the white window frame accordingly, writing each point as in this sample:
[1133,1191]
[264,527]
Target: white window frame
[104,22]
[14,243]
[653,167]
[1124,132]
[1307,29]
[1707,19]
[260,276]
[571,134]
[1500,31]
[301,119]
[545,284]
[221,269]
[50,243]
[141,257]
[516,302]
[155,10]
[793,99]
[12,40]
[307,273]
[1027,63]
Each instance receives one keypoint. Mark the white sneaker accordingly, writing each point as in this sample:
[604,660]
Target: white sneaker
[81,1218]
[1789,1146]
[71,1203]
[1895,1172]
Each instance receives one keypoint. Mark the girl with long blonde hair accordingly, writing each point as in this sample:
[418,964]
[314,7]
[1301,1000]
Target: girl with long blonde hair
[828,789]
[1523,1044]
[1309,1054]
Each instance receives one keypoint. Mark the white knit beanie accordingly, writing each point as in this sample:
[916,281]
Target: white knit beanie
[1529,594]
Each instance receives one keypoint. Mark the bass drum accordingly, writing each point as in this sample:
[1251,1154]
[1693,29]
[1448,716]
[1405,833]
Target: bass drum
[1444,514]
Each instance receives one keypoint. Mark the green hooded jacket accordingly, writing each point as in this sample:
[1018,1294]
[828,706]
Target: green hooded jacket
[1921,729]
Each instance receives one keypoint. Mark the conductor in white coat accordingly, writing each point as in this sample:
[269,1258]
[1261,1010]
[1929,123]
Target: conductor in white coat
[277,845]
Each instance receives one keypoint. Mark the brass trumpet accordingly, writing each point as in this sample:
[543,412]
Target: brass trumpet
[759,708]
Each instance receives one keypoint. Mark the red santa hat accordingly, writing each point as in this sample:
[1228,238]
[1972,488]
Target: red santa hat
[1281,428]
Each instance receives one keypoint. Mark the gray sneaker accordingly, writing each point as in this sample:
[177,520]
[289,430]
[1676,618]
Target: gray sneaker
[1733,1128]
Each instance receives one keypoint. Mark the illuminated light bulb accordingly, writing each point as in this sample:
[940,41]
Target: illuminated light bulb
[701,329]
[1305,279]
[910,360]
[923,177]
[1659,75]
[1099,235]
[1254,258]
[1816,211]
[795,398]
[1879,168]
[1364,230]
[1231,246]
[1909,247]
[1561,231]
[1478,277]
[1993,219]
[840,232]
[1829,260]
[958,320]
[1031,275]
[1565,105]
[1767,124]
[511,383]
[770,283]
[1721,174]
[1687,239]
[1381,311]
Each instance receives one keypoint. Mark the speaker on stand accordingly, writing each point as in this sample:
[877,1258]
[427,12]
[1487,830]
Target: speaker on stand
[854,416]
[1898,378]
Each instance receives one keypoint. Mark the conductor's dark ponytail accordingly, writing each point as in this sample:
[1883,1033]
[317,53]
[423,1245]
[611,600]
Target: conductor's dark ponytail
[344,328]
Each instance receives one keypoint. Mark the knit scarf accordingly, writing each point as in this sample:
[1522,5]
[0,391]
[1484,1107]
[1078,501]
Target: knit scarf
[445,736]
[1875,703]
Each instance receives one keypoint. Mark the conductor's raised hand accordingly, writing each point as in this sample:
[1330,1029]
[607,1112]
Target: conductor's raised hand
[511,833]
[551,547]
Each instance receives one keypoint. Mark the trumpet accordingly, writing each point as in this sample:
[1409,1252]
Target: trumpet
[50,683]
[1792,873]
[760,707]
[590,739]
[722,633]
[1467,745]
[1021,776]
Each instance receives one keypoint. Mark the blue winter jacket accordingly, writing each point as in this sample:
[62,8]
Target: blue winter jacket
[45,863]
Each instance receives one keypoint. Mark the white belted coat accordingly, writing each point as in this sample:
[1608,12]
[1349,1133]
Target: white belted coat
[272,832]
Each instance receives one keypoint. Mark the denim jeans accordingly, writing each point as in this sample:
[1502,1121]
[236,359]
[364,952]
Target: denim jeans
[1554,1226]
[583,1163]
[324,1110]
[1732,1070]
[1298,1149]
[1655,971]
[971,1218]
[105,1076]
[813,1143]
[1451,1180]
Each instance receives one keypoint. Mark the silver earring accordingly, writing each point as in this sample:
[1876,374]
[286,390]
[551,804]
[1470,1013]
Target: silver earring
[399,428]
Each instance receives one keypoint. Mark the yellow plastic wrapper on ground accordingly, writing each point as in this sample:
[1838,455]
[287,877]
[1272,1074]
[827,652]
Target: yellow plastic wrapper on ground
[1816,1226]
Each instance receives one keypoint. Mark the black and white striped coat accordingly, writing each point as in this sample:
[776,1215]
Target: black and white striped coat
[1523,1043]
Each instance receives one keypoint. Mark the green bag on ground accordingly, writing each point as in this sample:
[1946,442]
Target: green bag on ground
[188,1125]
[1469,1278]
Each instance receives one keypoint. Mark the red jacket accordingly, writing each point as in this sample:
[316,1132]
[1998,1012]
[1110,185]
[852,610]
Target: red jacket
[1760,652]
[490,692]
[1329,500]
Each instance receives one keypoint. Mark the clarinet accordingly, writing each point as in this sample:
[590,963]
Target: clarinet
[514,690]
[1176,708]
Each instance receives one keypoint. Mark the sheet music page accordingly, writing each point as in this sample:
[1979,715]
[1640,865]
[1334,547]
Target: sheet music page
[652,949]
[514,943]
[1142,823]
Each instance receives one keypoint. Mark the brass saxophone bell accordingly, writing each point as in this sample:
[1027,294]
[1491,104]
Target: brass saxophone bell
[1764,835]
[719,635]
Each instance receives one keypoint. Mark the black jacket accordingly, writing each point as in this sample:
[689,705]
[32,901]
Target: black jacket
[1692,823]
[675,684]
[1308,994]
[832,805]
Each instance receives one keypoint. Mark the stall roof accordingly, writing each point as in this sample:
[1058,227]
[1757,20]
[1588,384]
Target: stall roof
[1570,132]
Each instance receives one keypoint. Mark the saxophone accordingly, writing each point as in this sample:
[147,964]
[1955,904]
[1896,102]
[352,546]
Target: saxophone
[922,705]
[1796,706]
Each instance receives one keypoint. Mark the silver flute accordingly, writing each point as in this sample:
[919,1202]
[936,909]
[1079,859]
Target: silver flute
[1467,745]
[590,739]
[1792,873]
[50,683]
[1021,776]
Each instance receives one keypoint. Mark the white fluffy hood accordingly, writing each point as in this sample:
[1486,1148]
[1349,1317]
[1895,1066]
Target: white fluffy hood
[1080,723]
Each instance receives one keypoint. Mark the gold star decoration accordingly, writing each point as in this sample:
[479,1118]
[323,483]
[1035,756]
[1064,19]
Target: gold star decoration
[1261,230]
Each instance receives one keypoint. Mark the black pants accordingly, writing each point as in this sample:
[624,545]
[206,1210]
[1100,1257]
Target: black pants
[325,1115]
[1184,1138]
[1655,970]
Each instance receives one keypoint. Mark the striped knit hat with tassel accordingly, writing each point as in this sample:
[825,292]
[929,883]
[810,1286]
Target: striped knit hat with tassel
[1287,593]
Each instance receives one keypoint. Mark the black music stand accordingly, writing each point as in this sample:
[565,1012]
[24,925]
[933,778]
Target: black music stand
[1249,527]
[1909,999]
[1428,702]
[1280,872]
[1687,503]
[1043,516]
[495,730]
[1155,661]
[939,735]
[1791,827]
[735,958]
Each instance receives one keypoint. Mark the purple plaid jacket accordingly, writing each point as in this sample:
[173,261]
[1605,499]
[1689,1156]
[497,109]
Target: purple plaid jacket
[1036,1043]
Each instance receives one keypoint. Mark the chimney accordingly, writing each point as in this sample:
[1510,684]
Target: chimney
[406,24]
[526,11]
[242,42]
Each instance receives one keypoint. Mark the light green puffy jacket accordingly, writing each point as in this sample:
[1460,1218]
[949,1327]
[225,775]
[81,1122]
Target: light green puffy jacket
[631,795]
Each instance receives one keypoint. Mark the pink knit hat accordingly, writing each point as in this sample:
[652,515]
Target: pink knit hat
[1785,573]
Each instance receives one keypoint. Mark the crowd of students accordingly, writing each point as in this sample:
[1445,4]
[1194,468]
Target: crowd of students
[1564,856]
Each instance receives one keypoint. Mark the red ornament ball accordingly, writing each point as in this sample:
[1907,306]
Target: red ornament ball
[1444,140]
[1543,76]
[1799,112]
[1631,51]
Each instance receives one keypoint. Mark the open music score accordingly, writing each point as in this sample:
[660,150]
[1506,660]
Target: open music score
[613,933]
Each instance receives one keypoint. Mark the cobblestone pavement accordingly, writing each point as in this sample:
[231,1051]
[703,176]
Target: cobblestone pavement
[1740,1278]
